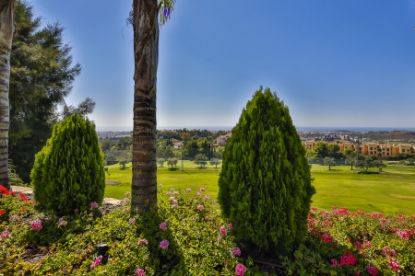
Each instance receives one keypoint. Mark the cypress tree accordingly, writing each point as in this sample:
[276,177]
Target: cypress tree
[68,173]
[265,185]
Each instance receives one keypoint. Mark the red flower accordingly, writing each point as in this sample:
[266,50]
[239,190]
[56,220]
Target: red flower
[4,190]
[348,259]
[394,265]
[372,270]
[326,238]
[23,197]
[2,212]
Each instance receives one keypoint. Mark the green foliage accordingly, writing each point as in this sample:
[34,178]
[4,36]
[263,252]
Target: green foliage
[69,171]
[70,248]
[41,76]
[265,185]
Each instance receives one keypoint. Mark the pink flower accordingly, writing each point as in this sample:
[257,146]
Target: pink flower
[326,238]
[367,244]
[348,259]
[164,244]
[131,221]
[230,226]
[96,262]
[403,234]
[236,251]
[143,242]
[174,205]
[13,218]
[5,234]
[140,272]
[125,201]
[207,197]
[340,211]
[358,245]
[200,208]
[222,231]
[36,225]
[394,265]
[388,251]
[334,263]
[172,199]
[163,226]
[240,269]
[94,205]
[372,270]
[169,193]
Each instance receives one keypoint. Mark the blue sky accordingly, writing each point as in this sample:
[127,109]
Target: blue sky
[336,63]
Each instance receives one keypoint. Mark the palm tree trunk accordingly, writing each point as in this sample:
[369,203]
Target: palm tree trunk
[6,36]
[146,39]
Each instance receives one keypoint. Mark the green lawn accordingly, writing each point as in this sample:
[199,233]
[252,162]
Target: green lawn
[390,192]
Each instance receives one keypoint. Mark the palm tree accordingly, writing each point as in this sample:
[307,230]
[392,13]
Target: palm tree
[145,21]
[6,37]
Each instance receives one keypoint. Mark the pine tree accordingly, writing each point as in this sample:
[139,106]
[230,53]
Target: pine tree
[265,185]
[42,73]
[69,171]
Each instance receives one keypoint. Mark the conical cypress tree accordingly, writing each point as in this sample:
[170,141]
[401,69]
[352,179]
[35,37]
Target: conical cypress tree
[265,185]
[68,173]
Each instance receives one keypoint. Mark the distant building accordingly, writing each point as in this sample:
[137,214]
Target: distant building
[221,140]
[177,144]
[368,149]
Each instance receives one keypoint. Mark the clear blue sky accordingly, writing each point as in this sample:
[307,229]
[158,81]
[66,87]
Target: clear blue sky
[334,62]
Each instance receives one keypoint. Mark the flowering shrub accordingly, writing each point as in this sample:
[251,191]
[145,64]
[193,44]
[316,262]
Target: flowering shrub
[184,241]
[345,242]
[177,239]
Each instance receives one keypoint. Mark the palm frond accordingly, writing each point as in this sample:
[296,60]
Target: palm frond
[165,10]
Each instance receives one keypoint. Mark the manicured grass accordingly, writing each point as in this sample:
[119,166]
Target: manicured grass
[389,192]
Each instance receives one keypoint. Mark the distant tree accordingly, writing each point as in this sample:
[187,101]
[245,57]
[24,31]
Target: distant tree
[321,151]
[41,76]
[172,163]
[215,162]
[191,149]
[205,148]
[201,160]
[164,149]
[379,164]
[330,162]
[161,162]
[334,152]
[123,164]
[105,145]
[350,158]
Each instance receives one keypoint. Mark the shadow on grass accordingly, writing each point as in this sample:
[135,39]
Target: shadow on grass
[168,261]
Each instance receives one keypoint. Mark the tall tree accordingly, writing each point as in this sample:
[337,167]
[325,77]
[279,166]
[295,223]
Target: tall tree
[41,76]
[6,38]
[145,21]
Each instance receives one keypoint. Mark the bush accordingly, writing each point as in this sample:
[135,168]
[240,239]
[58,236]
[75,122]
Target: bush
[265,185]
[69,171]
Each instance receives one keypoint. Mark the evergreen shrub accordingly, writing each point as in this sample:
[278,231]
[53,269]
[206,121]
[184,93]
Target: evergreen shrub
[265,185]
[68,173]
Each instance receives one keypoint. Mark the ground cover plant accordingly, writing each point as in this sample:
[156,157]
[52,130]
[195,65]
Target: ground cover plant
[189,237]
[390,192]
